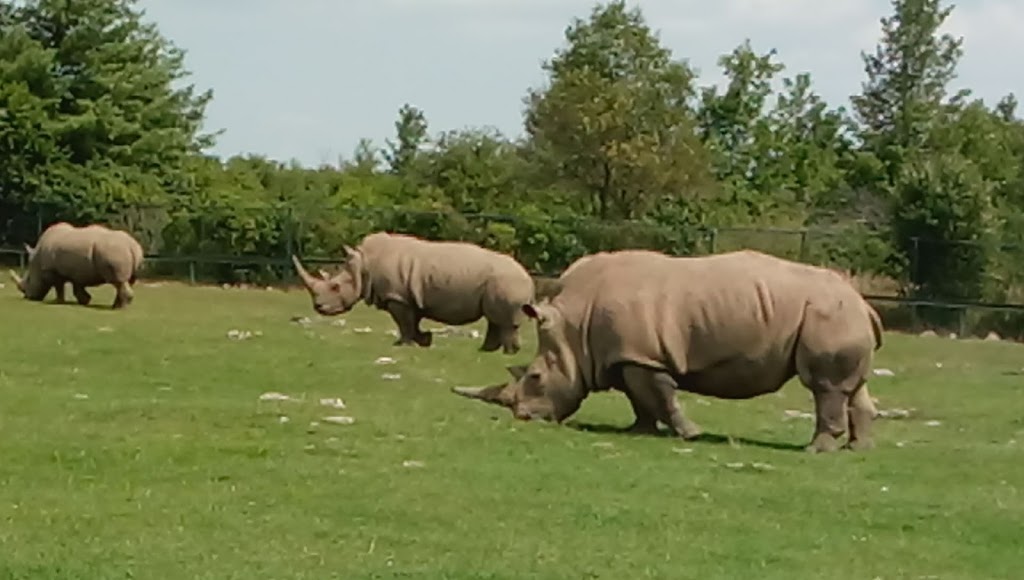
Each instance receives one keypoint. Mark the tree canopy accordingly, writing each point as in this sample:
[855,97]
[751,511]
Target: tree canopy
[622,147]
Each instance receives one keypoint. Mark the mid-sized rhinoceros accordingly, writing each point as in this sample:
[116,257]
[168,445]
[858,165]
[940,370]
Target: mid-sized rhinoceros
[86,256]
[733,326]
[454,283]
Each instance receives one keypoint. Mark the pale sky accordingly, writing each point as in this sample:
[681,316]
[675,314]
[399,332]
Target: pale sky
[306,79]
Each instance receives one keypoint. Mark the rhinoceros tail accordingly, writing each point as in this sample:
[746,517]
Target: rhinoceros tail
[876,324]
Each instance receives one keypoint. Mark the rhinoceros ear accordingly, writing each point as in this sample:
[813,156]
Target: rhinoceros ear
[323,273]
[540,312]
[517,371]
[349,252]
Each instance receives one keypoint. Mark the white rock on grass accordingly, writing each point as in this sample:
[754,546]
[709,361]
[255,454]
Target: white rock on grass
[384,360]
[362,330]
[391,376]
[791,414]
[339,420]
[412,463]
[884,373]
[333,402]
[275,396]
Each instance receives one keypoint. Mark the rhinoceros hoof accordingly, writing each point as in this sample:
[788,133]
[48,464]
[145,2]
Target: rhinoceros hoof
[425,339]
[823,444]
[860,445]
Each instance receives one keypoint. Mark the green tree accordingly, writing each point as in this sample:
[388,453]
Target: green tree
[116,129]
[907,79]
[411,134]
[614,122]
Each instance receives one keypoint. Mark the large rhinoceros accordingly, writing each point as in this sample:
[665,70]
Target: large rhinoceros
[733,326]
[454,283]
[86,256]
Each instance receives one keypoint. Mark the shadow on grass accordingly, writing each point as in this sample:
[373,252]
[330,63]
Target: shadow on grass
[91,305]
[712,438]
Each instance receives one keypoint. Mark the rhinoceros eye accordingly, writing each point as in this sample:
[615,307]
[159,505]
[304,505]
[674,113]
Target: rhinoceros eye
[335,287]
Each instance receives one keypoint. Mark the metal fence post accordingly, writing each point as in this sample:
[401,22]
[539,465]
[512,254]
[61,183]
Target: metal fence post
[803,245]
[192,272]
[712,240]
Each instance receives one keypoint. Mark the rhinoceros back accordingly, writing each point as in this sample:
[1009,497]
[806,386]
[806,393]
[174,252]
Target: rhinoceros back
[89,255]
[447,281]
[728,321]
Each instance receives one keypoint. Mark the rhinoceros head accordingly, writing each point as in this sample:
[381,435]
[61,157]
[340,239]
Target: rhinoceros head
[547,389]
[31,286]
[336,294]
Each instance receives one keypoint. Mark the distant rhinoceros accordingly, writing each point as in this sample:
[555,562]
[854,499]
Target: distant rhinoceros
[86,256]
[733,326]
[454,283]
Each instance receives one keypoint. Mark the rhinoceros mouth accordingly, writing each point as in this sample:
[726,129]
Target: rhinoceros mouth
[332,310]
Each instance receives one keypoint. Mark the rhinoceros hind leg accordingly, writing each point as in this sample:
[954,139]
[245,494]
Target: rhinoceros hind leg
[862,413]
[81,295]
[124,297]
[655,393]
[830,420]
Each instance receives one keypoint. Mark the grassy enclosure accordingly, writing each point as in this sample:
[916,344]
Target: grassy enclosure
[135,445]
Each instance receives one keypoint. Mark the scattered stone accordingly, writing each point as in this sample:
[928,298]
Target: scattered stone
[302,320]
[339,322]
[392,332]
[105,329]
[933,423]
[363,330]
[951,336]
[894,413]
[704,402]
[885,488]
[391,376]
[884,373]
[993,336]
[928,333]
[234,334]
[412,463]
[791,414]
[339,420]
[682,450]
[755,465]
[2,286]
[81,396]
[275,396]
[938,365]
[282,419]
[333,402]
[384,360]
[605,444]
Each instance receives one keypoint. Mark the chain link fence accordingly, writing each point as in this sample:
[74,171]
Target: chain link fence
[944,286]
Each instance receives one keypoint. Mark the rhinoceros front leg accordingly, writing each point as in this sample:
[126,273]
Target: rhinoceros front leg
[492,338]
[655,393]
[58,290]
[504,337]
[408,323]
[81,294]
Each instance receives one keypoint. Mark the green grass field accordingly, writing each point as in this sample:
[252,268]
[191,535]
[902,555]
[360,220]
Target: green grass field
[133,444]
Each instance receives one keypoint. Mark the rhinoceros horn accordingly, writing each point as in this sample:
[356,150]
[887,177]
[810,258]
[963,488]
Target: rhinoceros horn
[307,278]
[15,277]
[494,394]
